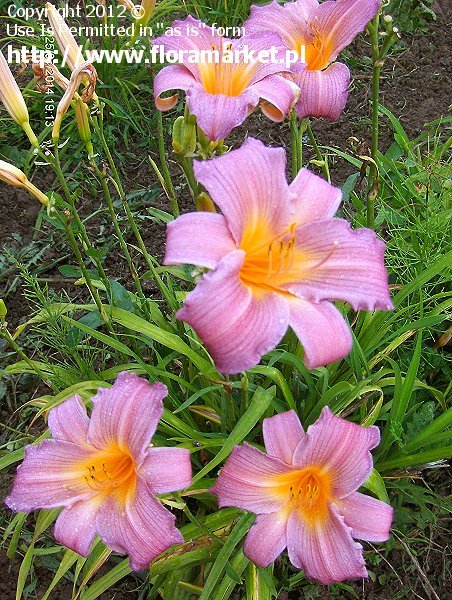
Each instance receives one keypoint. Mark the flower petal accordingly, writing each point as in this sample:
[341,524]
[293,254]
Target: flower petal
[172,77]
[278,94]
[325,551]
[236,326]
[51,475]
[339,22]
[250,187]
[282,434]
[316,199]
[342,448]
[290,20]
[199,238]
[218,114]
[247,481]
[267,538]
[322,330]
[369,518]
[322,93]
[126,415]
[75,527]
[195,36]
[143,529]
[167,469]
[341,264]
[68,421]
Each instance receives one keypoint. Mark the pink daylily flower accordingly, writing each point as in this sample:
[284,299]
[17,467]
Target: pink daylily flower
[317,32]
[222,95]
[277,259]
[304,491]
[103,473]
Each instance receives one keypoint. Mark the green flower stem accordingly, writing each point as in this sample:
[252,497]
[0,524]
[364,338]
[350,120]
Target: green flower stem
[116,180]
[55,163]
[164,167]
[372,189]
[297,144]
[104,182]
[5,334]
[78,255]
[320,157]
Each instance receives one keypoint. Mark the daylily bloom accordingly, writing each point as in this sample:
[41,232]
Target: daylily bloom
[277,258]
[222,93]
[103,473]
[13,100]
[14,176]
[71,51]
[304,491]
[317,32]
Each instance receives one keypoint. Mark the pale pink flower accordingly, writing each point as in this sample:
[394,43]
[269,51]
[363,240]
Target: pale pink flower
[317,32]
[222,95]
[277,259]
[304,491]
[103,473]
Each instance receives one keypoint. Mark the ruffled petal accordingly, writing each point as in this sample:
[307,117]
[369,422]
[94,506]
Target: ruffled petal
[278,94]
[341,264]
[282,434]
[51,475]
[199,238]
[247,481]
[172,77]
[260,44]
[339,22]
[143,529]
[322,330]
[194,36]
[267,538]
[167,469]
[322,93]
[290,21]
[250,187]
[342,448]
[217,115]
[75,527]
[369,518]
[325,551]
[126,415]
[68,421]
[316,199]
[236,326]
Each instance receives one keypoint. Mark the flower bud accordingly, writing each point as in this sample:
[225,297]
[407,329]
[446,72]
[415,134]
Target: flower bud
[81,116]
[143,16]
[184,136]
[72,52]
[13,100]
[14,176]
[204,203]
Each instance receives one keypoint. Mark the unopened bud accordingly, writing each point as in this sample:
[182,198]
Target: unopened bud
[17,178]
[71,51]
[13,100]
[204,203]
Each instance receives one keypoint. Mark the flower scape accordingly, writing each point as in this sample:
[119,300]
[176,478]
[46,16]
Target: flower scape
[253,395]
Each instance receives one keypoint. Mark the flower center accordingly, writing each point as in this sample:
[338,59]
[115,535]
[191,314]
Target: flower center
[112,472]
[270,262]
[316,52]
[229,79]
[309,491]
